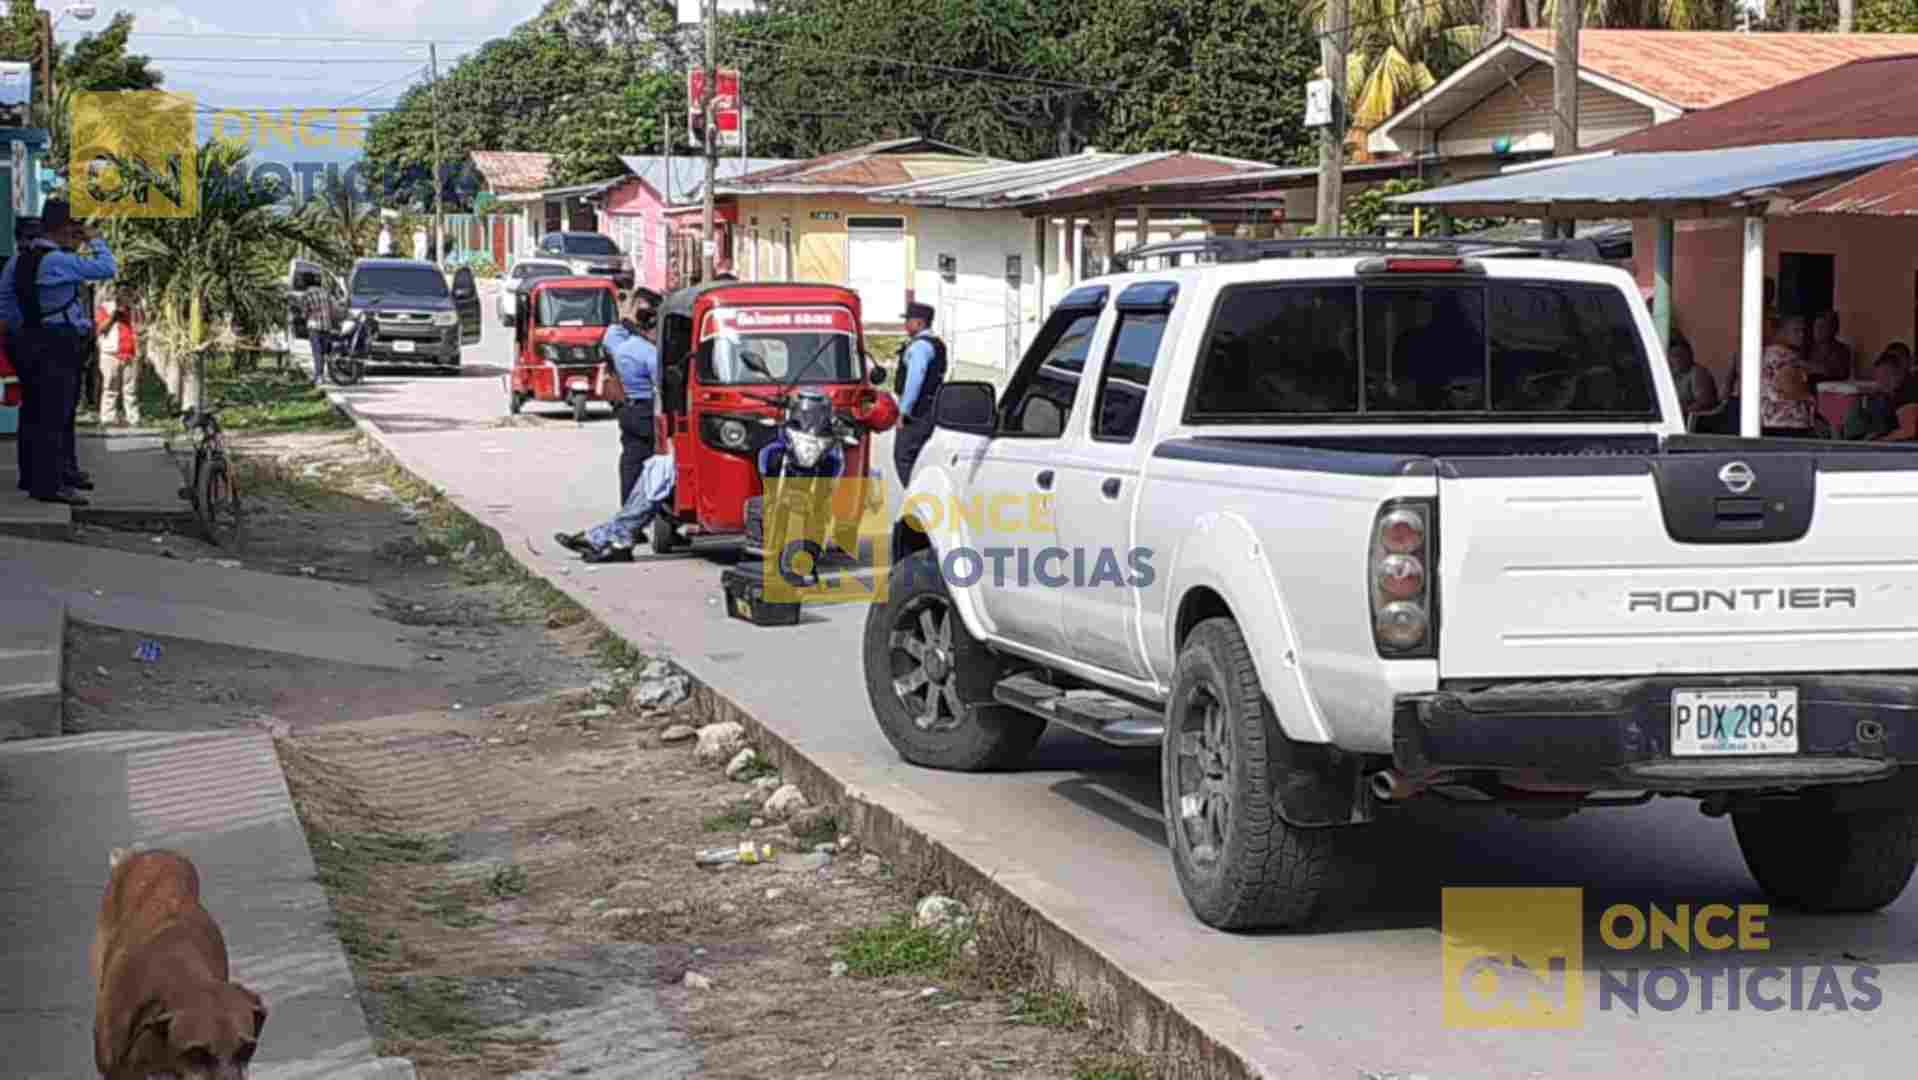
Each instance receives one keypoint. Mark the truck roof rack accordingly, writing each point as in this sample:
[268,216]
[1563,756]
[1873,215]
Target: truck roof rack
[1237,249]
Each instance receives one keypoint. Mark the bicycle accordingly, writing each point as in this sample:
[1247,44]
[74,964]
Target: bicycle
[215,497]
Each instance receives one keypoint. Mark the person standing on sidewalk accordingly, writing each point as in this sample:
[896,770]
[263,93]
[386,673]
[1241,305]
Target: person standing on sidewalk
[922,371]
[119,342]
[43,300]
[636,363]
[322,327]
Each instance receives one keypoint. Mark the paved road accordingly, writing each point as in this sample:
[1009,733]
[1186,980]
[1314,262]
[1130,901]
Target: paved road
[1078,833]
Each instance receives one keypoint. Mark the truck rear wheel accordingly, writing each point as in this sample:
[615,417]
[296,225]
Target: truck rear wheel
[930,682]
[1240,866]
[1820,860]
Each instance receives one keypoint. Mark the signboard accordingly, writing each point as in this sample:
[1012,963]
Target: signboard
[18,179]
[690,11]
[1318,103]
[825,215]
[16,94]
[778,320]
[727,118]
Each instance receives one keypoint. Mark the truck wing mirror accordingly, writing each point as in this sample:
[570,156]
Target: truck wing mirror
[966,406]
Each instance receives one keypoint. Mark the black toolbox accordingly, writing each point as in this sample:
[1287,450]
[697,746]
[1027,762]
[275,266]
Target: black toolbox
[745,585]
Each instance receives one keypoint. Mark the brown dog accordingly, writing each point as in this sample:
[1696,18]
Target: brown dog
[165,1007]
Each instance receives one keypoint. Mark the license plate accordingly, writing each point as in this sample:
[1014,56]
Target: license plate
[1735,722]
[402,346]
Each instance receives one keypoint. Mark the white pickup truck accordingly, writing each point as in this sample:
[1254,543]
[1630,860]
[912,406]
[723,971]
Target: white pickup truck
[1341,532]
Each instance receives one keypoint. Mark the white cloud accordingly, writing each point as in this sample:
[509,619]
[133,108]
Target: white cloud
[168,18]
[419,18]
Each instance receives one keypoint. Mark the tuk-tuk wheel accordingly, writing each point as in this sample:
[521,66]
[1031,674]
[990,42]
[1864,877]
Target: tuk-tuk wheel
[665,538]
[515,401]
[579,408]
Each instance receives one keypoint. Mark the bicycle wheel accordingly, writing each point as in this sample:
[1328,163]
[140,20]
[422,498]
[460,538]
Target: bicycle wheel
[218,506]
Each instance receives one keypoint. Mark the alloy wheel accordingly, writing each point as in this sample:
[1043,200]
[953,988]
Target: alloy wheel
[924,674]
[1204,774]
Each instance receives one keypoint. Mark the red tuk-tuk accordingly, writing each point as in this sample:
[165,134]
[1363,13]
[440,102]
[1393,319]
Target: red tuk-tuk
[731,355]
[557,326]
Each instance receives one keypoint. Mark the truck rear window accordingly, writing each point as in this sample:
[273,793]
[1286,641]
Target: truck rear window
[1530,350]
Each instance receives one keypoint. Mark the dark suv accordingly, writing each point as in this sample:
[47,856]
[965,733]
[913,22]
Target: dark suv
[590,254]
[417,318]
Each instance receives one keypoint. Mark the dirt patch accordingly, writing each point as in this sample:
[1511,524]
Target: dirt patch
[320,505]
[517,890]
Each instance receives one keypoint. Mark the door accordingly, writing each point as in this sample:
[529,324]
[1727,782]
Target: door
[1011,503]
[876,266]
[1099,477]
[466,302]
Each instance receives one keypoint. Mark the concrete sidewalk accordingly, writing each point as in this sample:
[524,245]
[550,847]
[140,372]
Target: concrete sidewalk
[221,799]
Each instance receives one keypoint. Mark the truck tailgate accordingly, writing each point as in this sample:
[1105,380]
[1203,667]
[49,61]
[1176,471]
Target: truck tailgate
[1761,560]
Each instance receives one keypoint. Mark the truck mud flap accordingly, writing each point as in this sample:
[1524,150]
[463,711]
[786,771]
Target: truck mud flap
[1315,785]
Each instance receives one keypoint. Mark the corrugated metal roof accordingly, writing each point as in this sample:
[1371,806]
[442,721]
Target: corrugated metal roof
[689,173]
[512,170]
[860,168]
[1868,99]
[1888,191]
[1671,177]
[1080,174]
[1697,69]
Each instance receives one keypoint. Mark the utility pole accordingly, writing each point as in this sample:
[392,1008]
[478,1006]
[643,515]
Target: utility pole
[1332,148]
[666,148]
[439,178]
[707,244]
[43,24]
[1568,16]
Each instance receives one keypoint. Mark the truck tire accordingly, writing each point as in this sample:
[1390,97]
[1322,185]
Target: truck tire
[1821,860]
[1240,866]
[930,682]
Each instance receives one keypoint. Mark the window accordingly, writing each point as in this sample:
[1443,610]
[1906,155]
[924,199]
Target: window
[576,307]
[1143,310]
[1279,350]
[1039,401]
[590,244]
[1446,351]
[399,281]
[805,358]
[549,243]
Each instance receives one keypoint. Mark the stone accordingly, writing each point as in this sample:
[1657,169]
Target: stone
[838,970]
[939,913]
[757,823]
[846,843]
[741,762]
[616,913]
[678,733]
[809,820]
[660,686]
[785,802]
[719,742]
[870,866]
[727,907]
[774,894]
[696,981]
[675,907]
[629,886]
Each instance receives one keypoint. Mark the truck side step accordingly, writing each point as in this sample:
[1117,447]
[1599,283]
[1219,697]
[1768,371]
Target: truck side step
[1090,712]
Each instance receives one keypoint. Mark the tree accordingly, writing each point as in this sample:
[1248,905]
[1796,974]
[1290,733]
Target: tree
[1399,48]
[101,61]
[346,218]
[1888,16]
[214,275]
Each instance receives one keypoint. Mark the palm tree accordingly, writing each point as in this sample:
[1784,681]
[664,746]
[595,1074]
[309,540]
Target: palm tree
[213,275]
[1397,49]
[352,222]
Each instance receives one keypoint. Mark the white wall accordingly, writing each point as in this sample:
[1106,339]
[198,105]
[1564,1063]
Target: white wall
[981,317]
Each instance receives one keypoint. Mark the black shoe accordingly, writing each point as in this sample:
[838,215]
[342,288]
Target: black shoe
[610,555]
[70,498]
[575,542]
[80,483]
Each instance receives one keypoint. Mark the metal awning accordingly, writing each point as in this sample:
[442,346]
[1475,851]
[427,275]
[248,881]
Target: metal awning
[1694,183]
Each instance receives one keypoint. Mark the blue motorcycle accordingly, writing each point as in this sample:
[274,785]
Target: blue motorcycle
[796,470]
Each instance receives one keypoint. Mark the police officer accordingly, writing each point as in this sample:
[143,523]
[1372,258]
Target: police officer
[44,303]
[636,363]
[922,371]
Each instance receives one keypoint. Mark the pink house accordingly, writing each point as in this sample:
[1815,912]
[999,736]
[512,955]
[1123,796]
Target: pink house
[632,210]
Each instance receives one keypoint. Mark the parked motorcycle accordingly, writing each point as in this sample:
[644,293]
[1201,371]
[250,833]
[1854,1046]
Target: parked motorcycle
[346,360]
[797,470]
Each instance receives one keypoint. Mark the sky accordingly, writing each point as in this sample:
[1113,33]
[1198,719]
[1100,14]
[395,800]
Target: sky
[197,45]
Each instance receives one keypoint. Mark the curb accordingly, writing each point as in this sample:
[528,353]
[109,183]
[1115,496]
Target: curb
[1148,1023]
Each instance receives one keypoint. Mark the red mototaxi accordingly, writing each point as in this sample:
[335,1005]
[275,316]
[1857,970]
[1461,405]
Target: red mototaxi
[716,415]
[558,325]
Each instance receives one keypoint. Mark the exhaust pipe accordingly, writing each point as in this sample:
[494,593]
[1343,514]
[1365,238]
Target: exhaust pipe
[1390,785]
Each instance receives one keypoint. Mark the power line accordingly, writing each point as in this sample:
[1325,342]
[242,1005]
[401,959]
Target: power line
[303,60]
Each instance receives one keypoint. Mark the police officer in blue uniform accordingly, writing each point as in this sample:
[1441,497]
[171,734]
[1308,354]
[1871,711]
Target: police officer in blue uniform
[921,372]
[45,305]
[636,362]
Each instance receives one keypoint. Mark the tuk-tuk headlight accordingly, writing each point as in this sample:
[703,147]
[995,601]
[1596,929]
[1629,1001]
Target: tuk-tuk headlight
[808,449]
[550,352]
[732,435]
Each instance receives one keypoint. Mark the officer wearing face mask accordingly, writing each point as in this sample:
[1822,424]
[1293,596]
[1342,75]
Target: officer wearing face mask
[922,371]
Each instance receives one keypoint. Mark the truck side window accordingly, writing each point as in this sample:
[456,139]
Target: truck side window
[1039,401]
[1128,374]
[1279,350]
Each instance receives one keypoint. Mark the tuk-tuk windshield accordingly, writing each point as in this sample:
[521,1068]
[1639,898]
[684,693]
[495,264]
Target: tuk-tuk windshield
[721,359]
[577,307]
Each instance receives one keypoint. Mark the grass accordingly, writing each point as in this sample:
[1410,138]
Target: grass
[896,947]
[736,818]
[1113,1068]
[449,908]
[361,943]
[507,882]
[346,861]
[823,830]
[760,766]
[275,396]
[1052,1008]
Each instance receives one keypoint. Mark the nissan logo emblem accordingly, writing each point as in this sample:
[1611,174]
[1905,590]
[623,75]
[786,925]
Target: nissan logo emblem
[1737,477]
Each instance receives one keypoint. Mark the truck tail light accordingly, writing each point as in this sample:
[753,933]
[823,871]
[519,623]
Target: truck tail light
[1399,579]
